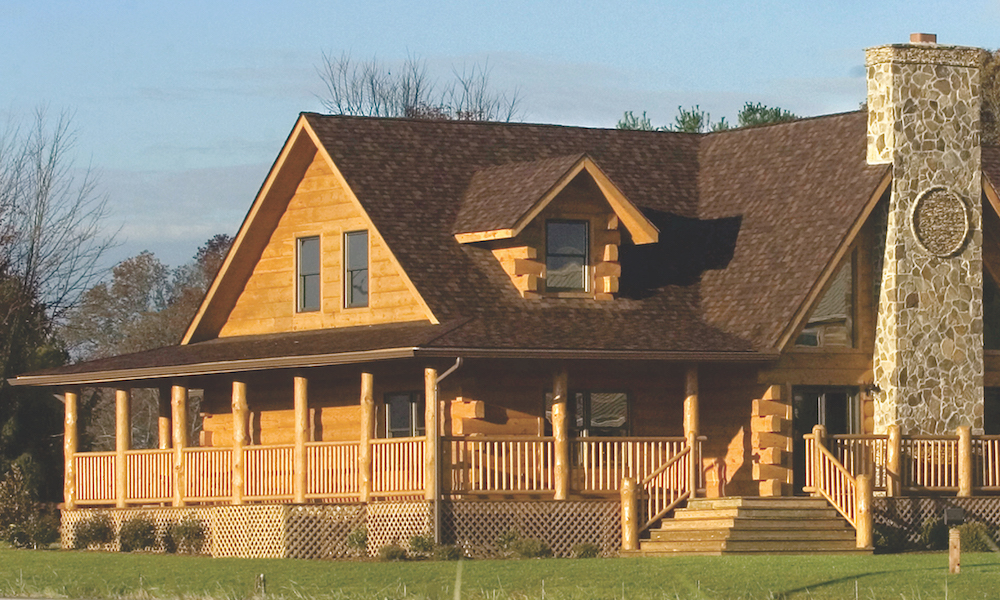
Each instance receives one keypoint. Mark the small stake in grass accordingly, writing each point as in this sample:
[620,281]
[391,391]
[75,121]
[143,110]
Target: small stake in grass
[261,585]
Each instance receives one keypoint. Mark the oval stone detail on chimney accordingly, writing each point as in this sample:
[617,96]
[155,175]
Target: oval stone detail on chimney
[940,222]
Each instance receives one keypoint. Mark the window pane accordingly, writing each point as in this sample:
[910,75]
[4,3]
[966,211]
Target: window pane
[566,255]
[608,411]
[565,273]
[356,269]
[308,274]
[567,238]
[398,406]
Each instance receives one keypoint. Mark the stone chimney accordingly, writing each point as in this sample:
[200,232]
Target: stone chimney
[923,119]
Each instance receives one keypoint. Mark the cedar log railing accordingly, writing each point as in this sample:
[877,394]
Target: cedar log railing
[507,465]
[850,494]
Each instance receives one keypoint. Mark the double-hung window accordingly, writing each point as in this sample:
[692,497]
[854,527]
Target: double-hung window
[355,269]
[404,412]
[566,256]
[308,268]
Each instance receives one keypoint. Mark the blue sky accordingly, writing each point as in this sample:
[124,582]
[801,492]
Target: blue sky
[180,106]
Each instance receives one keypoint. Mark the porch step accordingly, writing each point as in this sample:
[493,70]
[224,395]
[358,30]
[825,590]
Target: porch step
[752,526]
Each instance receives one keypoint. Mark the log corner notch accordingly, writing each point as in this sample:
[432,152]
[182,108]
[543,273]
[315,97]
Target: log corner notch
[771,430]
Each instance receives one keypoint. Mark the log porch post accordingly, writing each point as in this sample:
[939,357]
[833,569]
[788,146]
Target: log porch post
[70,443]
[863,520]
[239,439]
[178,405]
[365,440]
[431,432]
[691,424]
[301,429]
[964,461]
[163,420]
[630,514]
[560,433]
[123,441]
[893,476]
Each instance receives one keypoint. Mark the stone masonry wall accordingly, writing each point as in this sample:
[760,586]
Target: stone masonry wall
[924,106]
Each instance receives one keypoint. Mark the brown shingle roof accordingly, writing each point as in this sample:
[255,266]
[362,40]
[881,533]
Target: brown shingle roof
[748,220]
[498,196]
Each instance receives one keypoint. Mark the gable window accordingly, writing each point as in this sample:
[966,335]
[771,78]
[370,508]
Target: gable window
[566,256]
[600,414]
[307,265]
[831,323]
[404,414]
[356,269]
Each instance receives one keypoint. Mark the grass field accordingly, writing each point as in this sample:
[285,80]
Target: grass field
[93,575]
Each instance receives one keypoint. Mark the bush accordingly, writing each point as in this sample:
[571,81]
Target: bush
[357,540]
[391,552]
[24,522]
[888,539]
[447,552]
[422,544]
[586,550]
[934,534]
[187,536]
[94,531]
[976,538]
[531,548]
[138,533]
[505,542]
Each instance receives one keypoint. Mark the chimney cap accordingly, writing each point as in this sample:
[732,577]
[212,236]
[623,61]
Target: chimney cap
[923,38]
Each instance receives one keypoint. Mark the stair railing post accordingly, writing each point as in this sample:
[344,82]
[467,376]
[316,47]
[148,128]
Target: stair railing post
[819,439]
[630,514]
[893,476]
[863,515]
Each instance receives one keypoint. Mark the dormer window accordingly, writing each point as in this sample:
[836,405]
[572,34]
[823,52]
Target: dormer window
[567,246]
[307,259]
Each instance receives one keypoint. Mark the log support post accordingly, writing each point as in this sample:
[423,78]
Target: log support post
[240,412]
[367,426]
[630,514]
[893,462]
[123,442]
[432,433]
[964,461]
[819,438]
[301,429]
[70,443]
[178,405]
[163,419]
[560,433]
[691,425]
[863,516]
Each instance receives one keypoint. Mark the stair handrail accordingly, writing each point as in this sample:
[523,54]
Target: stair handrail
[663,498]
[851,496]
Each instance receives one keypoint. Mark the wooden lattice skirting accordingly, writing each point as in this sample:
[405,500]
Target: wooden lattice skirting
[321,530]
[475,525]
[909,513]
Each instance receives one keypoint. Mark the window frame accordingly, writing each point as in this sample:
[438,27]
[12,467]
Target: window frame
[349,301]
[300,277]
[587,429]
[586,278]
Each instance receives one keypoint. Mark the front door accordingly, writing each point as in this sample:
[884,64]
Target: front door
[836,408]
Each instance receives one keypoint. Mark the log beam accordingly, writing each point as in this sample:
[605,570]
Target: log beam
[560,433]
[367,426]
[178,405]
[70,443]
[240,412]
[123,442]
[301,430]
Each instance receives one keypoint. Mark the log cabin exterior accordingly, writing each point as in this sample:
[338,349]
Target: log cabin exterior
[462,328]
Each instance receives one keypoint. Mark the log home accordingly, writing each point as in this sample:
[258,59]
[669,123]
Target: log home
[461,328]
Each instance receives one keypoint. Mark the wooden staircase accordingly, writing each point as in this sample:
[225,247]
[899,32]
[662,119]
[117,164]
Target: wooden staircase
[714,526]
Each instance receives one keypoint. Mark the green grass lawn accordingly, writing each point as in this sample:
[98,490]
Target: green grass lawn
[95,575]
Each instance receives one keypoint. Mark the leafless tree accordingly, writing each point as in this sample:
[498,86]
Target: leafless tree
[370,88]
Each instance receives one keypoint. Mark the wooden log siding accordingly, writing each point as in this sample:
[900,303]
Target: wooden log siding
[602,463]
[398,466]
[501,464]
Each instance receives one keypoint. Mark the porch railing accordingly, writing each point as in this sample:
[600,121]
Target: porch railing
[601,463]
[398,466]
[849,494]
[500,464]
[333,472]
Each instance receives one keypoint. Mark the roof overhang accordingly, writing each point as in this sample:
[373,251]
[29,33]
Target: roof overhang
[642,229]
